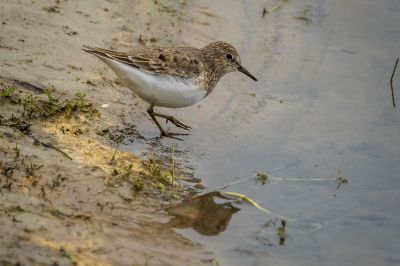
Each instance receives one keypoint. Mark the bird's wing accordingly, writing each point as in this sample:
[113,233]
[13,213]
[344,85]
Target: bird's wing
[178,62]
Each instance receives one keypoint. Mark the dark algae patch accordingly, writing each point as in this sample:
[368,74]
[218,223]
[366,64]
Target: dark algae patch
[281,232]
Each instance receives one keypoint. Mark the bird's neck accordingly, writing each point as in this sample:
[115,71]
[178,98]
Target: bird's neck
[213,75]
[214,70]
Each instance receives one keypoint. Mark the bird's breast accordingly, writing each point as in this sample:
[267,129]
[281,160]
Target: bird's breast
[160,90]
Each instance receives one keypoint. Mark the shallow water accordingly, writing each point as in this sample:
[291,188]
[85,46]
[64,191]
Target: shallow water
[322,104]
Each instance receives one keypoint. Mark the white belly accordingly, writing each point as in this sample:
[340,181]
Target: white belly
[163,91]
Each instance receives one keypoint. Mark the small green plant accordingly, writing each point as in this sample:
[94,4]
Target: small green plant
[261,177]
[153,168]
[124,172]
[138,184]
[161,187]
[166,178]
[78,103]
[80,100]
[282,232]
[7,92]
[173,166]
[52,105]
[49,93]
[340,179]
[17,151]
[30,105]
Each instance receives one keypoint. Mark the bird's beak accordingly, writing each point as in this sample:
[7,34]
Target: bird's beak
[247,73]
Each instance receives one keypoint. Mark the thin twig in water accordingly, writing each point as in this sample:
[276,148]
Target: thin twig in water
[277,6]
[223,186]
[173,166]
[242,197]
[140,39]
[300,179]
[246,198]
[116,149]
[264,12]
[51,146]
[391,82]
[243,180]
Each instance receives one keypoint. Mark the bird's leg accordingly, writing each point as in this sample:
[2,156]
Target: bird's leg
[173,120]
[150,111]
[164,133]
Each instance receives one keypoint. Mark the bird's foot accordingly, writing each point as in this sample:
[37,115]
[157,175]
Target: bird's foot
[172,135]
[177,123]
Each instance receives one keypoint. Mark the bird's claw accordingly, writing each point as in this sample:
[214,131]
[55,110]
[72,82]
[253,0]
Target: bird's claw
[172,135]
[177,123]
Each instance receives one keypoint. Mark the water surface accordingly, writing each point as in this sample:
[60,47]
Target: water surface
[322,104]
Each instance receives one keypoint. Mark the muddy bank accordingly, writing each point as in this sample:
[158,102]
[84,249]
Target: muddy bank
[69,194]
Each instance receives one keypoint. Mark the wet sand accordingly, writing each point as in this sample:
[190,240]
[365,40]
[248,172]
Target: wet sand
[64,200]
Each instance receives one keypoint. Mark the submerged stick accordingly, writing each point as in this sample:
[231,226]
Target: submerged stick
[242,197]
[277,6]
[115,151]
[264,12]
[173,166]
[51,146]
[391,82]
[223,186]
[243,180]
[246,198]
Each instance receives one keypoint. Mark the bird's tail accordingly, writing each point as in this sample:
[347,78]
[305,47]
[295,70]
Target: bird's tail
[98,51]
[108,54]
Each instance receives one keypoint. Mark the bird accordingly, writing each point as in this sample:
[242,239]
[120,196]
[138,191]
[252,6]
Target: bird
[172,77]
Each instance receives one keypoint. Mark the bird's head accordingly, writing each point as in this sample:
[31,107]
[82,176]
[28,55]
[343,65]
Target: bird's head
[224,58]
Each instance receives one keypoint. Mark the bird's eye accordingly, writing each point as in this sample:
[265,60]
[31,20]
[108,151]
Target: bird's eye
[228,57]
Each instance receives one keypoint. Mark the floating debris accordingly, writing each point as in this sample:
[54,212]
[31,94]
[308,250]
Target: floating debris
[261,177]
[391,82]
[52,9]
[277,6]
[241,197]
[304,18]
[305,15]
[282,232]
[340,179]
[264,12]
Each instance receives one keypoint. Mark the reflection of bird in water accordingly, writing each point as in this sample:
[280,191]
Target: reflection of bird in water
[202,214]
